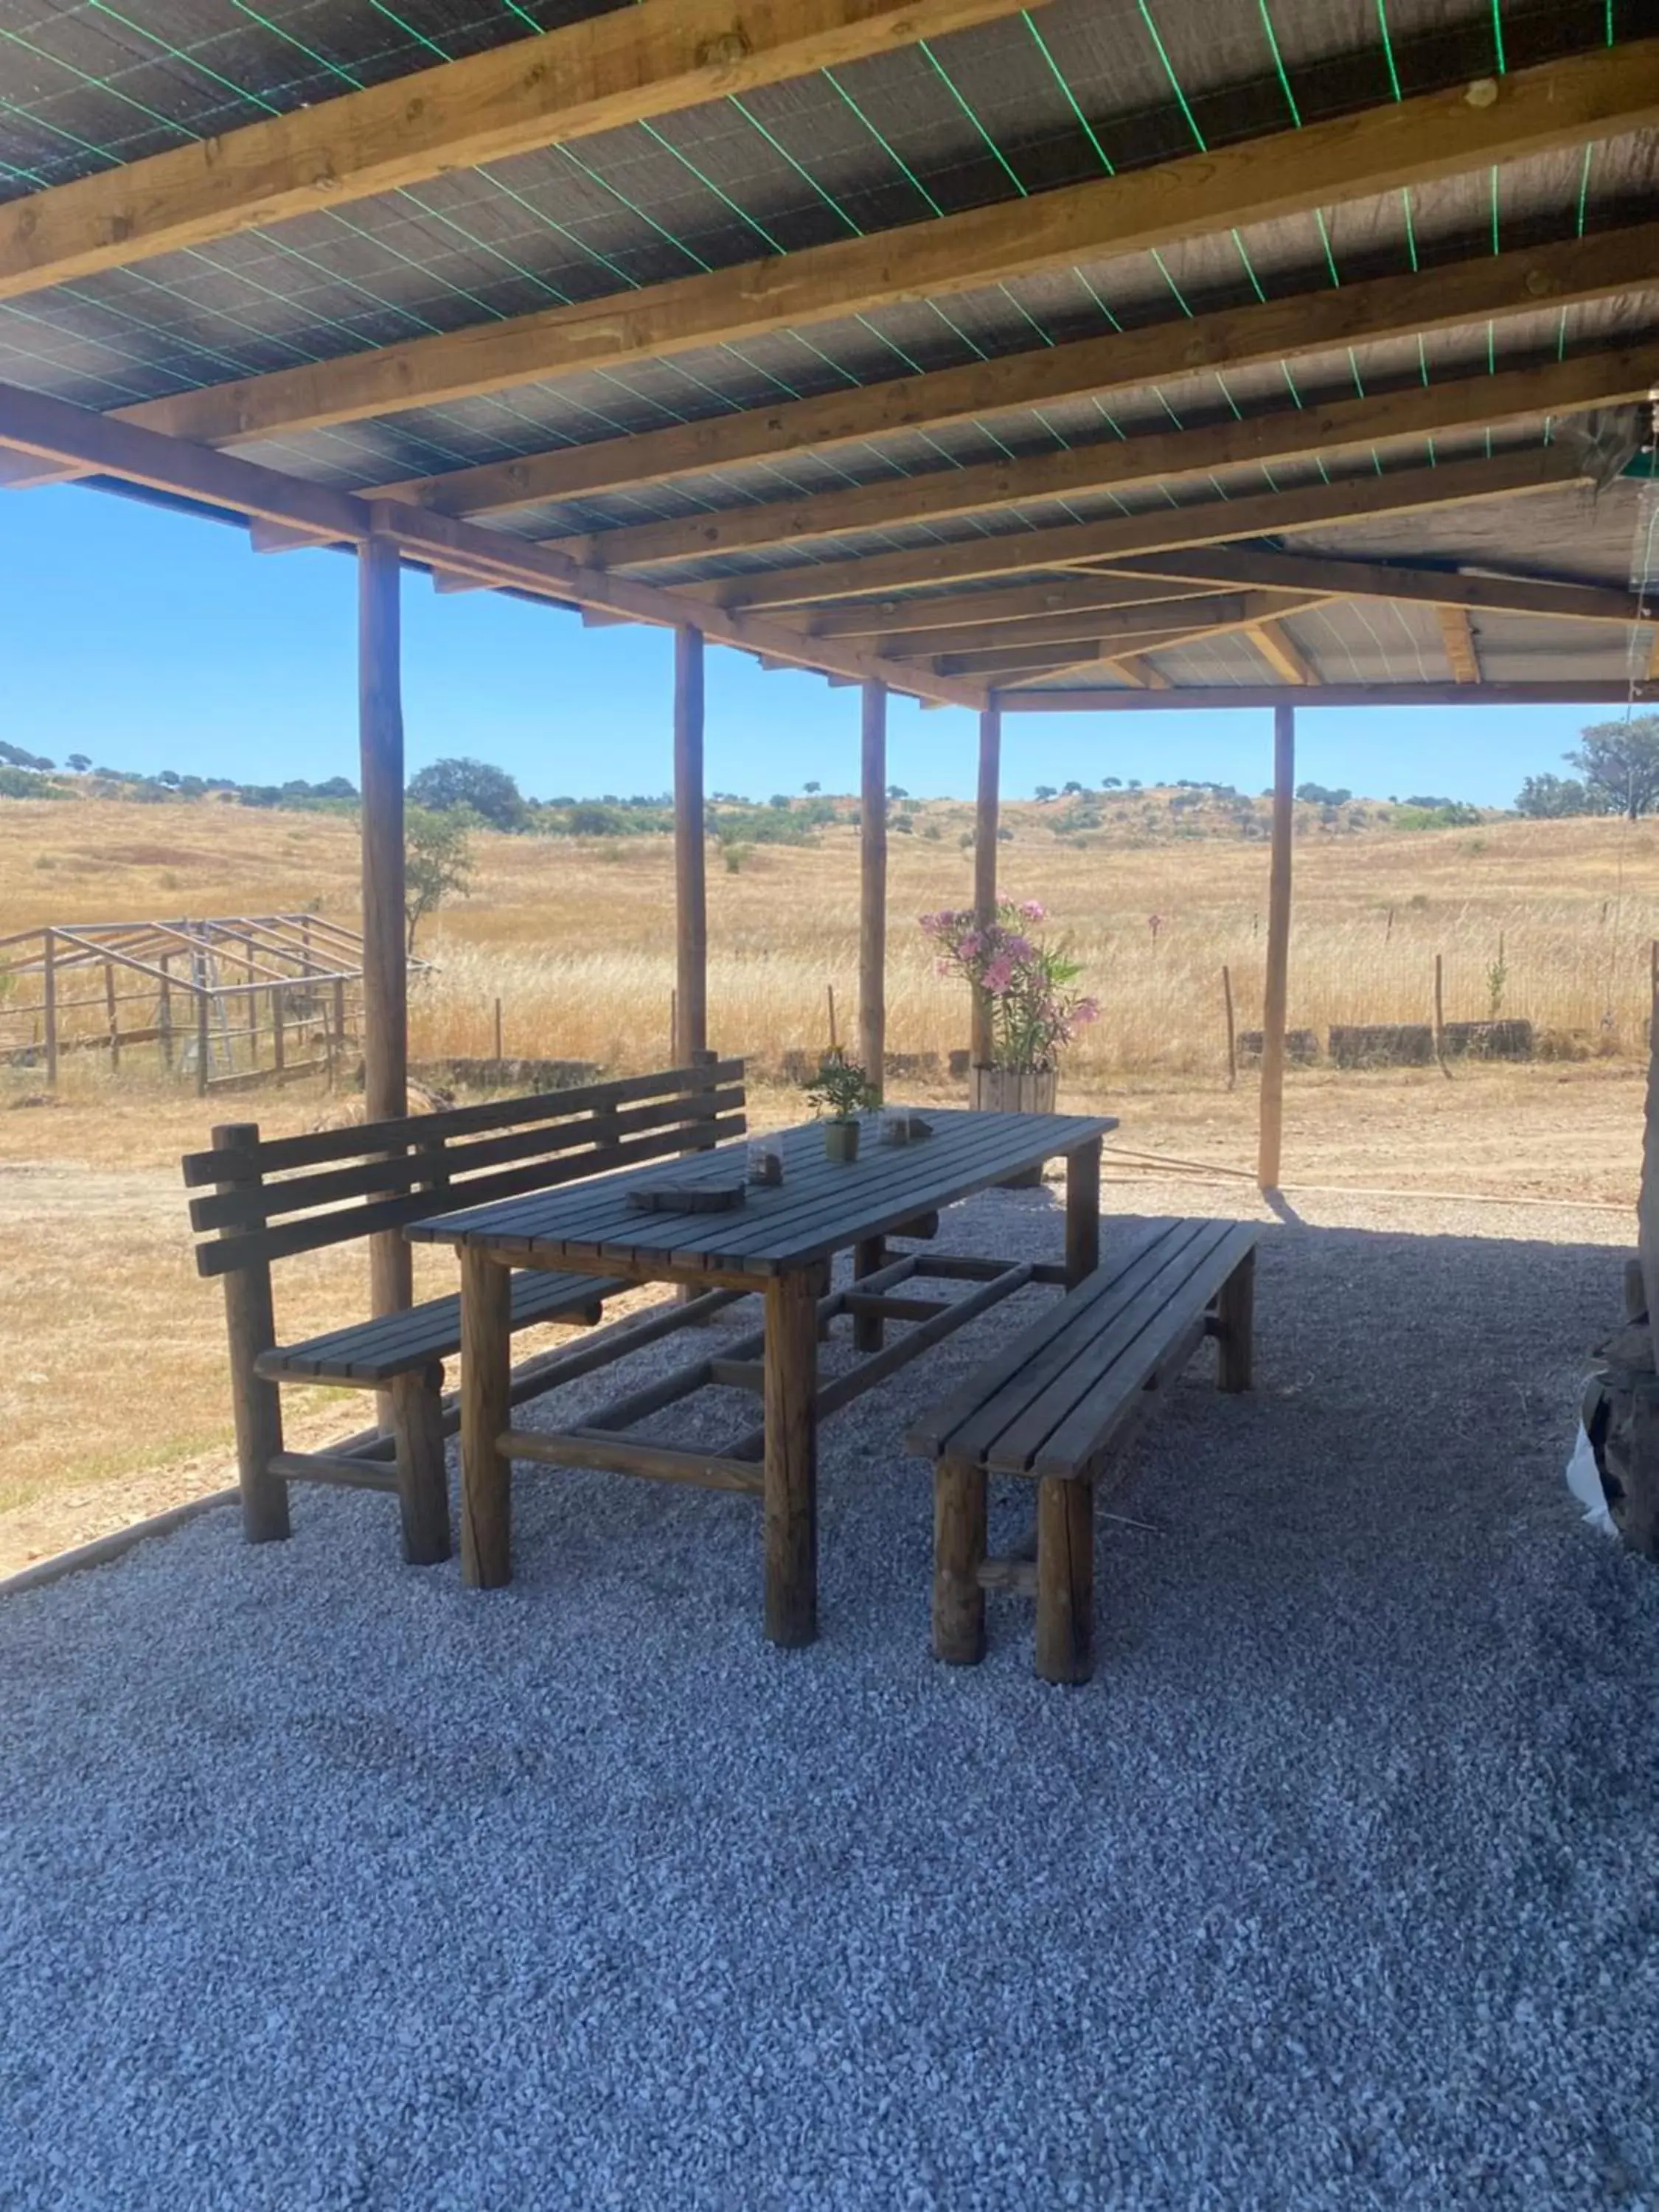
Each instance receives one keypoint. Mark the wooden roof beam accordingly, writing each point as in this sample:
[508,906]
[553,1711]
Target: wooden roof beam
[1281,652]
[1479,401]
[568,84]
[1218,609]
[1566,102]
[1225,566]
[1473,291]
[98,444]
[1246,611]
[1058,595]
[1458,634]
[1089,700]
[1204,523]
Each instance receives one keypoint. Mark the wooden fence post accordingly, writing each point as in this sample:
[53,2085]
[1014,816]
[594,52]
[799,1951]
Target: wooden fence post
[164,1012]
[1440,1014]
[49,1001]
[278,1048]
[112,1016]
[203,1038]
[498,1031]
[1232,1039]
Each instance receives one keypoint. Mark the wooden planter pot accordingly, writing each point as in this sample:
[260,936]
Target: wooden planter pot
[1014,1090]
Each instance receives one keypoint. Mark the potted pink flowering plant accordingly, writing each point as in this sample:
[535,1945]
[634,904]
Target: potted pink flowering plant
[1027,987]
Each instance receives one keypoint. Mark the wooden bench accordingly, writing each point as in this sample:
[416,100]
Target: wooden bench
[1061,1404]
[271,1200]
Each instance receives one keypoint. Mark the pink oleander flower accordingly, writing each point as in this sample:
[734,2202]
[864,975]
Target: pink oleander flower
[999,975]
[1032,910]
[970,946]
[1086,1011]
[1017,948]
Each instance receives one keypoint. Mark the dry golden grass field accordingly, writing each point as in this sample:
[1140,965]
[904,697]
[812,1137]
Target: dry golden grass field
[112,1389]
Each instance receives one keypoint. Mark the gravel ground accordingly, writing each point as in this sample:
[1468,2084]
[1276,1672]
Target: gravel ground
[324,1884]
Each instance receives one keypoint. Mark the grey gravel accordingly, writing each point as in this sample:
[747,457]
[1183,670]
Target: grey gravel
[323,1883]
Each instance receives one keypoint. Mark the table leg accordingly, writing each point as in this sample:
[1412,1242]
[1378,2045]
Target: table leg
[791,1480]
[486,1379]
[1082,1212]
[868,1259]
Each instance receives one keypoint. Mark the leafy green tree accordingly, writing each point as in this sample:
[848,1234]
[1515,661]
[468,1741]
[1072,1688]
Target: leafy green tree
[79,761]
[1551,798]
[1044,793]
[438,861]
[488,793]
[1620,764]
[1321,794]
[15,756]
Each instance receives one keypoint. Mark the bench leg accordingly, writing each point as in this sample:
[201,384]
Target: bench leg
[959,1552]
[1066,1580]
[1234,1315]
[868,1258]
[790,1475]
[422,1483]
[486,1412]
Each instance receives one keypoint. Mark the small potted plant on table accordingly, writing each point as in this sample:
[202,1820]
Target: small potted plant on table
[840,1091]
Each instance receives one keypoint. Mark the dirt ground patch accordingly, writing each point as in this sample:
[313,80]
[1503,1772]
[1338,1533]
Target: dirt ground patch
[113,1400]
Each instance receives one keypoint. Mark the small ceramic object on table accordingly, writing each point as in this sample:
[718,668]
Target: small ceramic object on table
[765,1158]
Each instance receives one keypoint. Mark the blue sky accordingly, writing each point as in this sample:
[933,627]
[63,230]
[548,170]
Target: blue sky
[153,640]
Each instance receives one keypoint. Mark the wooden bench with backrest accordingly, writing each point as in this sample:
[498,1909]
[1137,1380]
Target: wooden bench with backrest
[1062,1403]
[272,1199]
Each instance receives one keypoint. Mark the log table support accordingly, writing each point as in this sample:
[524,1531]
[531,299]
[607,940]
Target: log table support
[790,1492]
[1275,996]
[1082,1213]
[1235,1325]
[422,1481]
[486,1405]
[959,1539]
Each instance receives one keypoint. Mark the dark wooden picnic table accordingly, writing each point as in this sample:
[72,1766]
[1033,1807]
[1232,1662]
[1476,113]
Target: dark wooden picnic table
[778,1244]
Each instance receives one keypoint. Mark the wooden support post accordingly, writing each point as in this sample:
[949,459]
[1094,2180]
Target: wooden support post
[486,1414]
[1066,1580]
[985,864]
[1082,1212]
[1275,997]
[1232,1034]
[203,1038]
[278,1044]
[112,1016]
[385,967]
[1234,1316]
[337,1051]
[690,887]
[791,1484]
[251,1323]
[960,1525]
[164,1016]
[49,1001]
[872,882]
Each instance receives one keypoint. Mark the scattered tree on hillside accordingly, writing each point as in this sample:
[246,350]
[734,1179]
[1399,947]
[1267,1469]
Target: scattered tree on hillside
[79,761]
[1552,798]
[896,791]
[811,789]
[15,756]
[1111,783]
[488,793]
[1043,793]
[1320,794]
[1620,764]
[437,861]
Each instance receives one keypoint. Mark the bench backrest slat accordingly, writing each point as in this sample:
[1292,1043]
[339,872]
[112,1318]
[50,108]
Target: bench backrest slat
[276,1155]
[395,1172]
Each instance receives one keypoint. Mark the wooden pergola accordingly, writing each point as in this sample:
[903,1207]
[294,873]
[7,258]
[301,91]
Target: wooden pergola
[1046,359]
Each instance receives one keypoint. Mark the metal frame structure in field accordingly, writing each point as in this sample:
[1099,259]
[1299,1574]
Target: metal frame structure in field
[1072,357]
[234,1001]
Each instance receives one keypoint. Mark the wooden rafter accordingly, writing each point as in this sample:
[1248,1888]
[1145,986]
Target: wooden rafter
[1412,141]
[1281,652]
[1223,567]
[1158,457]
[1206,522]
[1242,611]
[589,76]
[1458,634]
[1017,603]
[1100,627]
[1465,292]
[98,444]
